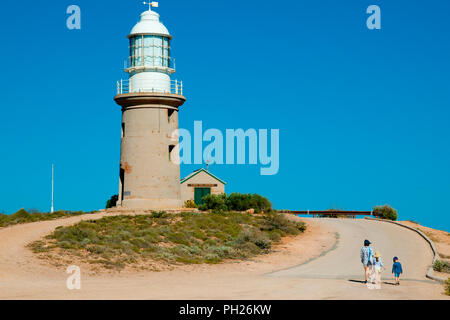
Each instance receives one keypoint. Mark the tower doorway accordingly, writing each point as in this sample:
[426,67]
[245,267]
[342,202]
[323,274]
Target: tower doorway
[122,182]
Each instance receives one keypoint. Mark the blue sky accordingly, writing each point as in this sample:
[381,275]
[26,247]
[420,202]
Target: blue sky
[363,114]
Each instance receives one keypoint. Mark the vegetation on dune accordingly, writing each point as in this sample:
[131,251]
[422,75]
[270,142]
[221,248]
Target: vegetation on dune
[441,266]
[23,216]
[386,212]
[236,202]
[186,238]
[112,202]
[447,287]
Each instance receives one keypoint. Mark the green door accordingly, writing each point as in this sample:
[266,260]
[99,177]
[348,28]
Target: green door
[199,193]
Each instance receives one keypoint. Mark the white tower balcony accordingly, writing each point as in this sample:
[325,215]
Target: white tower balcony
[150,86]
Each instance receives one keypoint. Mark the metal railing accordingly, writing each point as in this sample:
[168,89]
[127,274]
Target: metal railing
[172,86]
[330,213]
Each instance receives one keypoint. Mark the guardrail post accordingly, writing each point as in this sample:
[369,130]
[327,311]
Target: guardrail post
[176,86]
[118,87]
[181,87]
[121,86]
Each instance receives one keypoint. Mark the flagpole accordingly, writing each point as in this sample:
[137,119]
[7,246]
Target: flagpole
[53,182]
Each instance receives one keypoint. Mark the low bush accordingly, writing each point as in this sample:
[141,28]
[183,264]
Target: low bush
[386,212]
[447,287]
[111,203]
[441,266]
[3,219]
[190,204]
[158,214]
[276,222]
[243,202]
[215,202]
[236,202]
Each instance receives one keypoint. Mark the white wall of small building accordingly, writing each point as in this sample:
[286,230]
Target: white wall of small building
[202,178]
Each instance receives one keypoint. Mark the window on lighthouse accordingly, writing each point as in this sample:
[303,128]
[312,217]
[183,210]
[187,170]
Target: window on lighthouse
[149,51]
[136,51]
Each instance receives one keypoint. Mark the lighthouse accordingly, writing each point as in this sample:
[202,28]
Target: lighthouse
[150,100]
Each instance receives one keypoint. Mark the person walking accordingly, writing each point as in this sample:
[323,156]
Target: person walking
[366,259]
[378,268]
[397,270]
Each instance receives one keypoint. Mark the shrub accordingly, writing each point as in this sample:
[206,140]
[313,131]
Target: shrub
[190,204]
[236,202]
[222,251]
[212,258]
[3,219]
[441,266]
[243,202]
[158,214]
[447,287]
[262,242]
[255,237]
[277,222]
[215,202]
[21,216]
[259,203]
[386,212]
[111,203]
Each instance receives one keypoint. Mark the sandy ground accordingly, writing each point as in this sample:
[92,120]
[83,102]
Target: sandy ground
[441,240]
[305,263]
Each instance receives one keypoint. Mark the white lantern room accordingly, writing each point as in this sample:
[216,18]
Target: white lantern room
[150,64]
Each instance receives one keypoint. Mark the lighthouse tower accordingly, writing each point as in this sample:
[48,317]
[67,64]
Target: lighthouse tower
[150,99]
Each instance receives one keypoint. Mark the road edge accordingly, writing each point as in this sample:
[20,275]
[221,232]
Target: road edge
[337,237]
[430,273]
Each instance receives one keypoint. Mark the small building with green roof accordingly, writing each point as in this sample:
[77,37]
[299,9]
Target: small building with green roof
[199,184]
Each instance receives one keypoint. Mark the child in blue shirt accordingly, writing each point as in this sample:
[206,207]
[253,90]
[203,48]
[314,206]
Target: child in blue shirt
[397,270]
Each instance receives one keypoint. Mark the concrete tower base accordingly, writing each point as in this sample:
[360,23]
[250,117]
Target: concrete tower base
[148,178]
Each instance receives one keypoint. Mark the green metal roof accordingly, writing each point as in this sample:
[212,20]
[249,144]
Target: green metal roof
[197,172]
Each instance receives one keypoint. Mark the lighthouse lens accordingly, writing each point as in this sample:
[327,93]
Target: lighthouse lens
[150,51]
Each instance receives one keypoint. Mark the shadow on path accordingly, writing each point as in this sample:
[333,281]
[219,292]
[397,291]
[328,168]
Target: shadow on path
[358,281]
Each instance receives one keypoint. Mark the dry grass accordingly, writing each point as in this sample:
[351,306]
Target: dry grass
[185,238]
[22,216]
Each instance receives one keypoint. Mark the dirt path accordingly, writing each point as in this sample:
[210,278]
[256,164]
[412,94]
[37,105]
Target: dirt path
[22,276]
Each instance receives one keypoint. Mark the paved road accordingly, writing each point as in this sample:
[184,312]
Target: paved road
[343,262]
